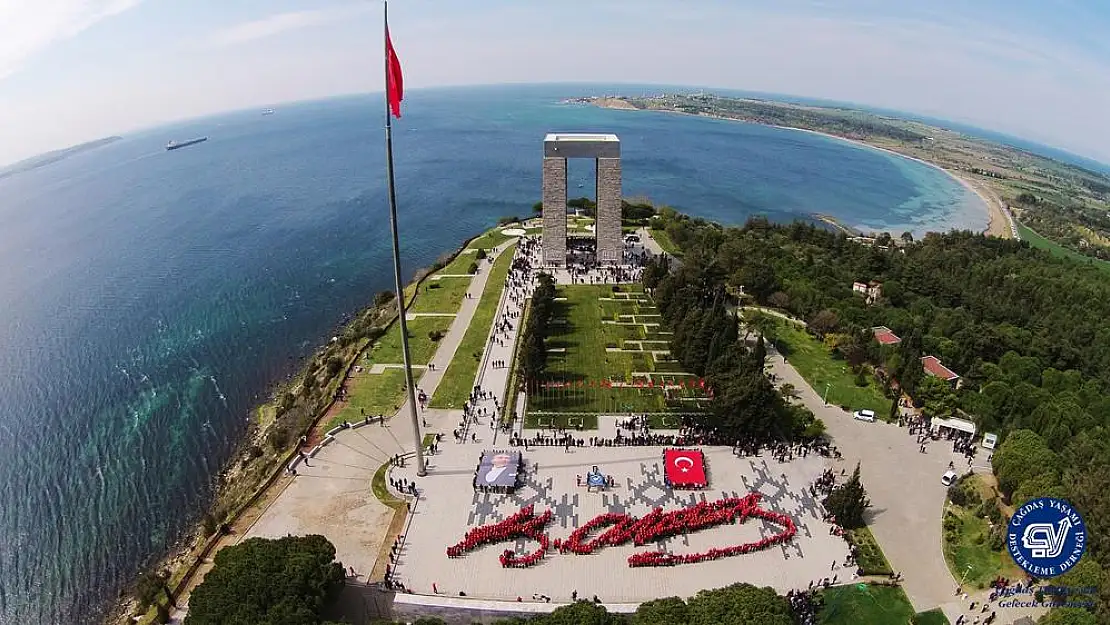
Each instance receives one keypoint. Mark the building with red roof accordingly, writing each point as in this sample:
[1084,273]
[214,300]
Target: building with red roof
[933,366]
[885,336]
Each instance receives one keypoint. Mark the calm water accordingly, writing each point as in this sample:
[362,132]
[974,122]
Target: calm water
[149,298]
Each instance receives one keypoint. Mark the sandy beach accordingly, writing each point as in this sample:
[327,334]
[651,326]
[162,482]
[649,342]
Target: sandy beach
[998,224]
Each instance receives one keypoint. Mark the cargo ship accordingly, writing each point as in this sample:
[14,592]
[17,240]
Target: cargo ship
[173,145]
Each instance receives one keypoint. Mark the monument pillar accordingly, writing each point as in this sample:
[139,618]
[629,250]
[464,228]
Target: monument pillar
[610,245]
[555,211]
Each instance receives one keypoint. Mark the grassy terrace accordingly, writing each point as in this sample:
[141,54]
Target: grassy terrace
[1036,240]
[421,347]
[441,296]
[493,238]
[874,605]
[871,558]
[590,321]
[816,364]
[967,544]
[460,264]
[664,240]
[384,393]
[458,380]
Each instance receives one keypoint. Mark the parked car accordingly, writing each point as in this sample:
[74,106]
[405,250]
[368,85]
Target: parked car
[949,478]
[865,415]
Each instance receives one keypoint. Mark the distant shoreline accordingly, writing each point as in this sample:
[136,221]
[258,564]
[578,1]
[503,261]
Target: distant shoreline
[997,223]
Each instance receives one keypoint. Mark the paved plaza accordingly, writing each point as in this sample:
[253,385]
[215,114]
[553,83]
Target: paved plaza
[331,496]
[449,506]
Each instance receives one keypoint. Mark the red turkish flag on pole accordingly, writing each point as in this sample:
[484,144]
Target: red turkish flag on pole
[394,82]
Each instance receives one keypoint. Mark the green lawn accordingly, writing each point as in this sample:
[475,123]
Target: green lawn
[967,544]
[458,379]
[816,364]
[421,347]
[440,296]
[379,393]
[460,264]
[493,238]
[932,617]
[585,362]
[871,558]
[1054,248]
[377,485]
[664,240]
[860,604]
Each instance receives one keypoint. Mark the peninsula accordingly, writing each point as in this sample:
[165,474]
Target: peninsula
[49,158]
[1056,205]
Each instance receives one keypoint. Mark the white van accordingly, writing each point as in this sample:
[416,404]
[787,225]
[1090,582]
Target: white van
[949,478]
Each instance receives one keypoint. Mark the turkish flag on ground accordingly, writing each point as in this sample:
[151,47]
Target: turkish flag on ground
[684,467]
[394,82]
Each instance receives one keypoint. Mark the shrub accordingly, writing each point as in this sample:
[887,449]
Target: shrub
[435,335]
[957,495]
[480,254]
[277,438]
[472,269]
[512,219]
[208,524]
[383,298]
[147,589]
[334,365]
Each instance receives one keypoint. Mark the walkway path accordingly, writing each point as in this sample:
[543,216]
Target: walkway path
[907,498]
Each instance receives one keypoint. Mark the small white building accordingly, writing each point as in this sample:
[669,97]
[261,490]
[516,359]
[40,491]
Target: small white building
[958,425]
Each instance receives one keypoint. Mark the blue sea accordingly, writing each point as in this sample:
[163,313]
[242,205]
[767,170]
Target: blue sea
[149,299]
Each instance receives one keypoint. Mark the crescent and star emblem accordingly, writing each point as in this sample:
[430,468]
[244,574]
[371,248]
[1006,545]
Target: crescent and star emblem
[678,465]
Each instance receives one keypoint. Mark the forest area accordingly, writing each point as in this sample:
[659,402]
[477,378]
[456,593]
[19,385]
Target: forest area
[1025,330]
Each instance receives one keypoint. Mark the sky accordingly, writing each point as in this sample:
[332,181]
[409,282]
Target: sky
[76,70]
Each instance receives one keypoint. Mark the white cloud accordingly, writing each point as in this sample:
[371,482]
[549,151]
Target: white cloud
[27,27]
[282,23]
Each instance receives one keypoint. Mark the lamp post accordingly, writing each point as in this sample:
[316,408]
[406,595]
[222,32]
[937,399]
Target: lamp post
[826,397]
[964,577]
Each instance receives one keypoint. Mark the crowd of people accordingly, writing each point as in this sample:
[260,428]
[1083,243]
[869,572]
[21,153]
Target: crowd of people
[805,604]
[521,524]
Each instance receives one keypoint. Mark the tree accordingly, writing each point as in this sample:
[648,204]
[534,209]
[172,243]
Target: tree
[580,613]
[268,582]
[739,604]
[1020,458]
[778,299]
[758,279]
[907,237]
[824,322]
[848,502]
[668,611]
[1068,616]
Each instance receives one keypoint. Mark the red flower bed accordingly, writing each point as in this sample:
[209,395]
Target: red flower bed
[624,528]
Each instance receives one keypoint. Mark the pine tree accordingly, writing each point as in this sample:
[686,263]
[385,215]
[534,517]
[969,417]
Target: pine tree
[848,502]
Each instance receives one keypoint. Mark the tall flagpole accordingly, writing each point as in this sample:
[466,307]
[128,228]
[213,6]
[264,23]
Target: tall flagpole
[421,470]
